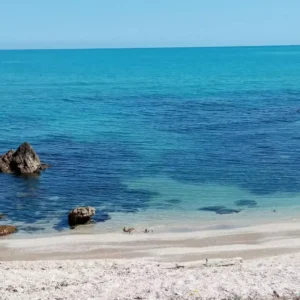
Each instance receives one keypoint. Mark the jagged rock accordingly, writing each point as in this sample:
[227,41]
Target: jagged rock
[2,216]
[81,215]
[5,162]
[23,161]
[7,229]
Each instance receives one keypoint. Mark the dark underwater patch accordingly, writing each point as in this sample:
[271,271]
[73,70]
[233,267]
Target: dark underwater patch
[174,201]
[212,208]
[262,161]
[249,144]
[220,210]
[227,211]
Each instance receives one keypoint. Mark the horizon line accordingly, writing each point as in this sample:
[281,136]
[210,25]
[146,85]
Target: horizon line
[150,47]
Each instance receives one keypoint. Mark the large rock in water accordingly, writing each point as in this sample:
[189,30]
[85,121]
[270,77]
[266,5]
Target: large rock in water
[7,229]
[81,215]
[23,161]
[5,162]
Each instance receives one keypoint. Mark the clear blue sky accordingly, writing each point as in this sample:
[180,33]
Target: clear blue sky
[147,23]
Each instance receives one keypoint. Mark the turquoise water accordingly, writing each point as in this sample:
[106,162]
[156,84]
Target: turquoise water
[150,136]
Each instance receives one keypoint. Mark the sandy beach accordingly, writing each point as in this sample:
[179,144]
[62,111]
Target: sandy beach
[257,262]
[137,279]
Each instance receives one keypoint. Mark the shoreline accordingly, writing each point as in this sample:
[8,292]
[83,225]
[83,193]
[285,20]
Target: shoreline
[165,222]
[249,242]
[245,263]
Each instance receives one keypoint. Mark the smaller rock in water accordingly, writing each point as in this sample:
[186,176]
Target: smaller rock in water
[7,229]
[2,216]
[220,210]
[248,203]
[81,215]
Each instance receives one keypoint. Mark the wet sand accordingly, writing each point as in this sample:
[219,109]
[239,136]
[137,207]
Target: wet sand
[249,242]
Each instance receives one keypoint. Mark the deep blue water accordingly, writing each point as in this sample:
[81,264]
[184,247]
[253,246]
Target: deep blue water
[109,121]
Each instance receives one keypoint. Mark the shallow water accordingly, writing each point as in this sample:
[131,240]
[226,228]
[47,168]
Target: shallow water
[150,136]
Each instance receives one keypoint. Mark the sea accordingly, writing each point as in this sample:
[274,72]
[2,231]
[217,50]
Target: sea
[167,139]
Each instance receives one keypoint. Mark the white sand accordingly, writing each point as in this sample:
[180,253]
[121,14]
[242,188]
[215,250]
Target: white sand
[141,266]
[100,279]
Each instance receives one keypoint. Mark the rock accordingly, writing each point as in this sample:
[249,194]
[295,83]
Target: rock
[5,162]
[23,161]
[26,161]
[2,216]
[81,215]
[7,229]
[128,230]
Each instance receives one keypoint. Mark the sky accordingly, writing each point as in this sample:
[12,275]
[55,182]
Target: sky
[27,24]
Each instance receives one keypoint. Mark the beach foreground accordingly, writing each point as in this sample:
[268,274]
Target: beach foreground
[258,262]
[138,279]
